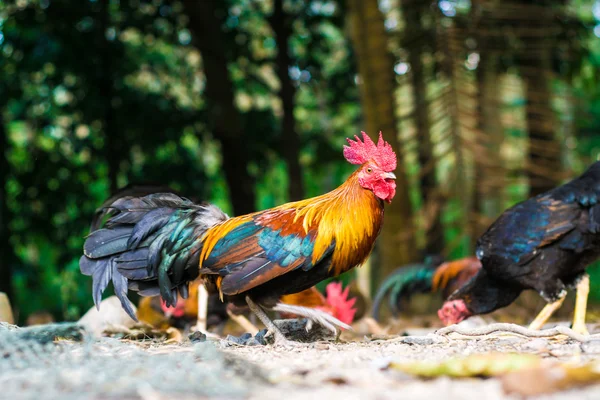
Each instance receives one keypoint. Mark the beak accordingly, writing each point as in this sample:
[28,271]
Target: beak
[389,175]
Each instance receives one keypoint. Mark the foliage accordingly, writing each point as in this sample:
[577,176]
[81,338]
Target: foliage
[98,94]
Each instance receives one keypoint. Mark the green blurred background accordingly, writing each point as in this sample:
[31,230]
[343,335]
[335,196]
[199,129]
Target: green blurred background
[246,103]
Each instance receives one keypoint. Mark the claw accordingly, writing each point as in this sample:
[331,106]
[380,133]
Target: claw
[309,325]
[314,315]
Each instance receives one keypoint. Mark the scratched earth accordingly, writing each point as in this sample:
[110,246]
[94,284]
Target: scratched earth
[355,368]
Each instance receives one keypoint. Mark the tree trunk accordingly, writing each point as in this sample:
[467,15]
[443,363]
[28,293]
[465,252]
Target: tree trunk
[413,36]
[206,19]
[544,158]
[281,25]
[205,24]
[6,251]
[544,150]
[489,174]
[376,68]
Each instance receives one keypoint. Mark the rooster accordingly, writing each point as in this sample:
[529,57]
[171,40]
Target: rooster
[158,243]
[431,276]
[545,244]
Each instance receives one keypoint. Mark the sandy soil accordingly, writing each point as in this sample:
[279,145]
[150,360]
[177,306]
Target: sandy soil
[355,368]
[358,370]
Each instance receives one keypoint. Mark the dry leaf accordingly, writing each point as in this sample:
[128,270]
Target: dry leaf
[476,365]
[550,378]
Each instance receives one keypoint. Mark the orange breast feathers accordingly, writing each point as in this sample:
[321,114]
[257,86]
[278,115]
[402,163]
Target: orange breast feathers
[343,223]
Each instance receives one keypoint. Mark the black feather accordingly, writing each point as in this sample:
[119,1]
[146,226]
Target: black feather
[120,285]
[101,276]
[153,221]
[148,245]
[133,264]
[87,266]
[184,291]
[155,252]
[544,243]
[106,242]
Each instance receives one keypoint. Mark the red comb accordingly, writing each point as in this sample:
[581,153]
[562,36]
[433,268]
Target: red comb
[337,299]
[360,152]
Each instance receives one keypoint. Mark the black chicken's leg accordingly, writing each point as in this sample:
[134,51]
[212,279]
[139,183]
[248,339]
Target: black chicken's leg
[547,312]
[583,289]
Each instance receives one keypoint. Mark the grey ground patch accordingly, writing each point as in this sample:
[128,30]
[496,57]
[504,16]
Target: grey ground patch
[110,368]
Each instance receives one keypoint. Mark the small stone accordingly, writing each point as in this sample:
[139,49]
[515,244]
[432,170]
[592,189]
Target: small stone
[197,337]
[110,314]
[253,342]
[246,336]
[418,340]
[234,339]
[295,330]
[260,337]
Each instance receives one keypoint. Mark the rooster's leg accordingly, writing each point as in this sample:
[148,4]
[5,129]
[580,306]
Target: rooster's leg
[313,315]
[201,325]
[260,313]
[202,308]
[547,312]
[583,289]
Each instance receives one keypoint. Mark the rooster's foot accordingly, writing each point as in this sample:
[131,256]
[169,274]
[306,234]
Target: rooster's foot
[314,315]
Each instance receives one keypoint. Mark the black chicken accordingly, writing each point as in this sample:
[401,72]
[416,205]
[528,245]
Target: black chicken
[545,244]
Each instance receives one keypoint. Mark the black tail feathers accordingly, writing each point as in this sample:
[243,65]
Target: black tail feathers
[150,244]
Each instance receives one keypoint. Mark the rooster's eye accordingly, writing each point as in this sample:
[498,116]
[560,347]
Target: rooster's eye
[369,170]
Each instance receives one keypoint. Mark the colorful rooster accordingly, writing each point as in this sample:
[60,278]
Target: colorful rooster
[431,276]
[160,242]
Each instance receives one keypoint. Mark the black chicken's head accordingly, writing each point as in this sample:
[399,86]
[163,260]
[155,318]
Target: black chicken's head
[454,311]
[480,295]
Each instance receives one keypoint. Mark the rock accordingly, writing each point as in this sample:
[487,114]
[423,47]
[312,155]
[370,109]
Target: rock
[48,333]
[235,339]
[253,342]
[6,314]
[197,337]
[295,329]
[110,314]
[418,340]
[260,337]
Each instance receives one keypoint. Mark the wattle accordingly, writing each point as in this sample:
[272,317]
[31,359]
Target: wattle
[385,190]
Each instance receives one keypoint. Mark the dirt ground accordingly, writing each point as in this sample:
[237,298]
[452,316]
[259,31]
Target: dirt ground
[354,368]
[358,370]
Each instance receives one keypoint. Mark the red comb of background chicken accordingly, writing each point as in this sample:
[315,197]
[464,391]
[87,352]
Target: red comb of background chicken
[361,152]
[178,311]
[338,303]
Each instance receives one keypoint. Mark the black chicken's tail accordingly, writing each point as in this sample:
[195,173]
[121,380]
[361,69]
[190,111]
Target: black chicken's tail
[150,244]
